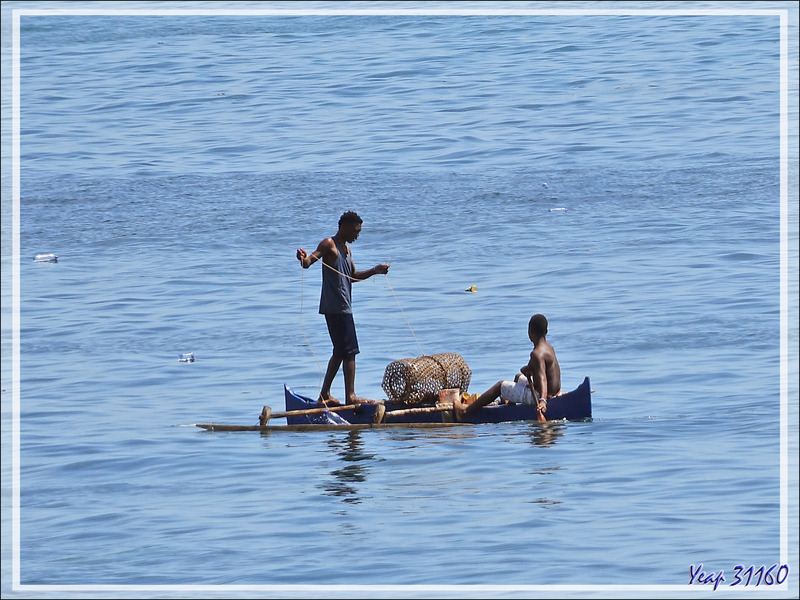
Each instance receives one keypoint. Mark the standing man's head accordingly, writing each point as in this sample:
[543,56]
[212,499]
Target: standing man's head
[537,327]
[349,226]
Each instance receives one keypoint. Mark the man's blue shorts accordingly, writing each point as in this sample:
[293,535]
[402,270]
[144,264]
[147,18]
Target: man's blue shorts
[342,330]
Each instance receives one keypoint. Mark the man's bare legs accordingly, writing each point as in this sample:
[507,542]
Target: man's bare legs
[350,382]
[462,410]
[349,370]
[325,393]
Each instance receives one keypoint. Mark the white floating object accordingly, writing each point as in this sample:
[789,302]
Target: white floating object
[545,186]
[559,209]
[43,258]
[186,357]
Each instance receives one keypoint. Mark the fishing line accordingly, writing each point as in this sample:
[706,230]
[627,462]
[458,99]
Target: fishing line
[386,275]
[351,278]
[302,329]
[335,270]
[421,353]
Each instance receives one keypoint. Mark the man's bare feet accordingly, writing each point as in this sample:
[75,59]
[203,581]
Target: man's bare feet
[357,401]
[329,401]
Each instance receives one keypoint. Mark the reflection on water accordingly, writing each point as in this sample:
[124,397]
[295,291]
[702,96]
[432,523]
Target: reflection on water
[546,434]
[353,469]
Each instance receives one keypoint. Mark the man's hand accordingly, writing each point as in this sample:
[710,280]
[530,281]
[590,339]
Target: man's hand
[381,269]
[304,258]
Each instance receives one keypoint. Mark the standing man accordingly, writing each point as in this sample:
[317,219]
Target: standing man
[338,274]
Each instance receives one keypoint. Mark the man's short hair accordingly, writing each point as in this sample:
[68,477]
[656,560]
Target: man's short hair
[538,324]
[350,217]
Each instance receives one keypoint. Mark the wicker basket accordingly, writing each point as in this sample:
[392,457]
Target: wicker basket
[418,380]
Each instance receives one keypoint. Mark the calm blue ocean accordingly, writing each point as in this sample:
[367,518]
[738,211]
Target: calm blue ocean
[175,162]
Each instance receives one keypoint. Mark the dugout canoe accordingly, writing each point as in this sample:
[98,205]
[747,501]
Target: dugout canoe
[304,414]
[572,406]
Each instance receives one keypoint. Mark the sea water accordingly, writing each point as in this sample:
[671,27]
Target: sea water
[618,173]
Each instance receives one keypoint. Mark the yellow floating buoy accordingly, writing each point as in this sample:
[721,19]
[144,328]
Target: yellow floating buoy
[472,289]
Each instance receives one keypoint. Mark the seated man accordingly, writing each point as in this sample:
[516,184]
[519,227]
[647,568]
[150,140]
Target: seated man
[538,380]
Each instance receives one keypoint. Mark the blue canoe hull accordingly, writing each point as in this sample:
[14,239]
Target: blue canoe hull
[572,406]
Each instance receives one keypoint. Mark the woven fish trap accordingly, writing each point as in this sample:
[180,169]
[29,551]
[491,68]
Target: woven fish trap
[418,380]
